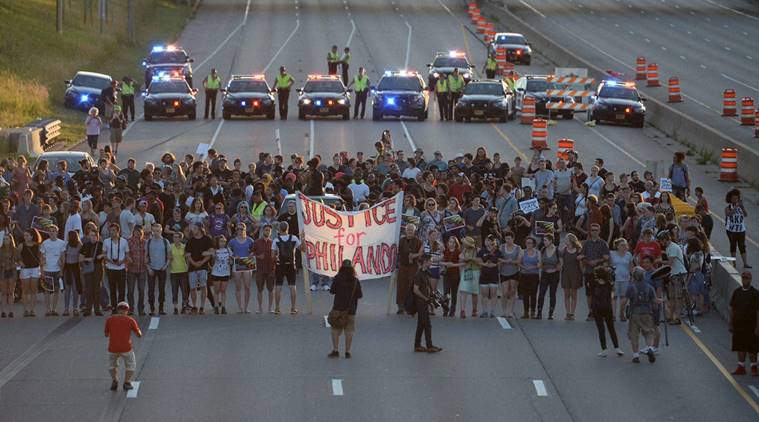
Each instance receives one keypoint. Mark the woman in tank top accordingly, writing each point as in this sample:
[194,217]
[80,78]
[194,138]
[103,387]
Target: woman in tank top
[571,274]
[529,265]
[550,266]
[509,273]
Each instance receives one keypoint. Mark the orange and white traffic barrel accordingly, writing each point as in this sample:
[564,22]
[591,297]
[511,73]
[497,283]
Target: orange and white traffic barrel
[482,24]
[674,90]
[489,35]
[729,103]
[565,145]
[539,134]
[747,111]
[756,124]
[728,165]
[475,14]
[528,110]
[652,75]
[640,68]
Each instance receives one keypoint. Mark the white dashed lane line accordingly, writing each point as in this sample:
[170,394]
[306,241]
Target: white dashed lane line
[540,388]
[326,322]
[754,390]
[504,323]
[154,321]
[132,394]
[337,387]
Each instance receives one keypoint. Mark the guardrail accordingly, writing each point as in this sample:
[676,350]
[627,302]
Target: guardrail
[50,129]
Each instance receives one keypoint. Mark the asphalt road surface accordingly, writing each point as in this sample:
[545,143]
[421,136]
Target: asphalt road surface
[251,367]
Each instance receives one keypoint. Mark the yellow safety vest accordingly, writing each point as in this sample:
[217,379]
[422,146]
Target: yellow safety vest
[127,88]
[257,210]
[511,83]
[441,87]
[455,84]
[347,58]
[213,83]
[360,84]
[283,81]
[333,57]
[491,64]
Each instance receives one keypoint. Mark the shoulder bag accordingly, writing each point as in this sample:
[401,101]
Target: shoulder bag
[339,319]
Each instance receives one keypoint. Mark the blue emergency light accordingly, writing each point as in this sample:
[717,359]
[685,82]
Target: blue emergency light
[318,102]
[390,101]
[84,98]
[243,103]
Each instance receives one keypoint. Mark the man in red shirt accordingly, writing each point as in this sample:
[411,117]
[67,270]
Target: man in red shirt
[118,329]
[647,246]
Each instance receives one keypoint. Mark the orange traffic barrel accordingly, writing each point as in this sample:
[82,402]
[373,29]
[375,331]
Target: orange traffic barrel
[674,90]
[652,75]
[489,35]
[528,110]
[500,54]
[729,103]
[747,111]
[482,24]
[475,14]
[539,134]
[728,165]
[505,68]
[640,68]
[565,145]
[756,124]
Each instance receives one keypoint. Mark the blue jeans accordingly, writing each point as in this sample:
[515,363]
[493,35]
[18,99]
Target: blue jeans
[72,286]
[138,279]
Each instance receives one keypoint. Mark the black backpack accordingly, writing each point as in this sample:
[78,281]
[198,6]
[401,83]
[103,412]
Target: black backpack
[286,250]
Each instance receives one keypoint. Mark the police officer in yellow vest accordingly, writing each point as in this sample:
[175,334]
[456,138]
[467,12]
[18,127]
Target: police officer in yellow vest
[360,84]
[491,66]
[441,93]
[345,63]
[282,84]
[333,59]
[127,96]
[455,88]
[212,84]
[511,80]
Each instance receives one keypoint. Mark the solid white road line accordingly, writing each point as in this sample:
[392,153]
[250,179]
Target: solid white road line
[620,149]
[504,323]
[353,31]
[326,322]
[132,394]
[216,133]
[408,44]
[446,8]
[277,141]
[312,127]
[532,8]
[540,388]
[219,47]
[287,40]
[754,390]
[154,321]
[407,135]
[732,10]
[740,82]
[337,387]
[245,17]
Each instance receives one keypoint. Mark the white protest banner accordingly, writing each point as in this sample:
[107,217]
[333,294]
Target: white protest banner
[369,238]
[202,150]
[665,185]
[529,205]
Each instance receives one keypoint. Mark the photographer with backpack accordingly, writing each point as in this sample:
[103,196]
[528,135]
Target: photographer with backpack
[643,305]
[284,247]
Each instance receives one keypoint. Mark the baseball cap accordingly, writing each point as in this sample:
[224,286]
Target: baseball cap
[123,305]
[746,275]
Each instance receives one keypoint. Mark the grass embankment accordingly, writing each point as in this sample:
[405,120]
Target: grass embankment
[35,59]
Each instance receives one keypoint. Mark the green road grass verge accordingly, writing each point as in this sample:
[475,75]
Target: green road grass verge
[35,59]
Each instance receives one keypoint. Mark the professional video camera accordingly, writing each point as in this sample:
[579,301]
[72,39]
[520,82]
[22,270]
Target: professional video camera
[438,300]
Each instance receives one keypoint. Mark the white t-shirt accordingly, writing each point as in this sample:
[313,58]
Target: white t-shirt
[222,262]
[73,223]
[360,192]
[52,251]
[145,221]
[127,222]
[410,173]
[676,259]
[115,251]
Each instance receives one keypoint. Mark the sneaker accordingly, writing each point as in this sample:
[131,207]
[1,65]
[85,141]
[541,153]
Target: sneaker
[334,354]
[619,352]
[66,312]
[651,356]
[492,315]
[223,310]
[740,370]
[434,349]
[75,312]
[602,353]
[201,311]
[325,288]
[176,311]
[636,359]
[313,287]
[128,386]
[114,385]
[347,355]
[484,315]
[2,315]
[420,349]
[10,314]
[216,310]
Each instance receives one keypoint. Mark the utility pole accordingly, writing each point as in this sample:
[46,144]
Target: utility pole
[59,16]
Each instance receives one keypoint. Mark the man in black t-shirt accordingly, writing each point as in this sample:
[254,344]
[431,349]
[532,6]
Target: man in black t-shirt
[744,324]
[198,253]
[422,291]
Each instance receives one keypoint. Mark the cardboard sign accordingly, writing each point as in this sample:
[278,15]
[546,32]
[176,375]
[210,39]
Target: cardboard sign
[665,185]
[202,150]
[543,228]
[409,219]
[529,206]
[453,222]
[245,264]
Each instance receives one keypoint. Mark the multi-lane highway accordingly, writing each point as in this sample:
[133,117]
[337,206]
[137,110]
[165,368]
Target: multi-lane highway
[249,367]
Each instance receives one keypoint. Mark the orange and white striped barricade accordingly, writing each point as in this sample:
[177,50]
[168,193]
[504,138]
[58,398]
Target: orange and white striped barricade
[747,111]
[640,68]
[561,105]
[729,103]
[489,34]
[674,90]
[482,25]
[528,110]
[756,123]
[475,14]
[728,165]
[652,75]
[565,145]
[539,134]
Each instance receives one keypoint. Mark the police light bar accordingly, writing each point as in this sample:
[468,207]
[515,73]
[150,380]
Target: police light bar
[258,77]
[161,48]
[454,53]
[311,77]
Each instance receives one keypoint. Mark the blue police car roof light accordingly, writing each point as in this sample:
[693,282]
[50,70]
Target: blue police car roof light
[242,103]
[158,49]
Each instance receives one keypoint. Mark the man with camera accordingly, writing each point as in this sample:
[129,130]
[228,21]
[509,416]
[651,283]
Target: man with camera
[642,301]
[423,298]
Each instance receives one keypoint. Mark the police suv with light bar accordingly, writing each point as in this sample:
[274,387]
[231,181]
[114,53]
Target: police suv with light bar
[486,98]
[617,101]
[83,92]
[170,97]
[518,50]
[400,93]
[445,62]
[247,95]
[167,61]
[323,95]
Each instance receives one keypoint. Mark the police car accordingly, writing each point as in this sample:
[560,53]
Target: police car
[445,62]
[323,95]
[535,86]
[247,95]
[169,97]
[83,92]
[518,50]
[617,101]
[400,93]
[168,60]
[483,99]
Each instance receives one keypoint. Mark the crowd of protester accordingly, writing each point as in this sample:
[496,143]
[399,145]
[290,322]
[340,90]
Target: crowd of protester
[103,234]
